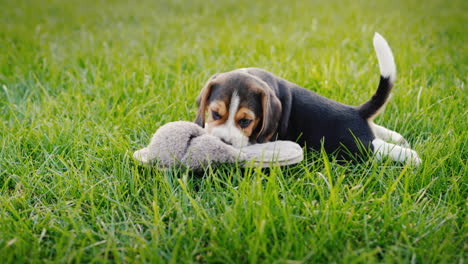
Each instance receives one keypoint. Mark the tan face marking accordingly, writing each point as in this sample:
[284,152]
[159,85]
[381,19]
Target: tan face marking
[245,113]
[231,123]
[229,132]
[220,108]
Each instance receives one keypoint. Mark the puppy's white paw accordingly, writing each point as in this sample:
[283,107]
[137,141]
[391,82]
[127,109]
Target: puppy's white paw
[402,142]
[413,159]
[395,152]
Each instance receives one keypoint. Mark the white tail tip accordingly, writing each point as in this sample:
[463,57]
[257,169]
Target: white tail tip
[385,57]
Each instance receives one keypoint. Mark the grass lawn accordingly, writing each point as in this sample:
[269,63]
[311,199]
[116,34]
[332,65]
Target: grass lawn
[85,83]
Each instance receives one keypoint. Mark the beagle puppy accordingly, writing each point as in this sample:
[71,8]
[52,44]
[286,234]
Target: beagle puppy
[250,105]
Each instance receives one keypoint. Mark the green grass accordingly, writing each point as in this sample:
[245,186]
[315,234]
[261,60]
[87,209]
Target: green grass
[83,84]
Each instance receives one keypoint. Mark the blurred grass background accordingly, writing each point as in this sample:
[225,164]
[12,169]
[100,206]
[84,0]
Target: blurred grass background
[85,83]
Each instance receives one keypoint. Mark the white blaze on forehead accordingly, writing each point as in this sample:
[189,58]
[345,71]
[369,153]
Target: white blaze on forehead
[233,107]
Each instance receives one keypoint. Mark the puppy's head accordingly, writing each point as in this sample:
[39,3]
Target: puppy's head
[238,108]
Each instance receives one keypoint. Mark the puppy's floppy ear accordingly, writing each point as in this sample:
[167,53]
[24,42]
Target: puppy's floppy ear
[271,115]
[202,101]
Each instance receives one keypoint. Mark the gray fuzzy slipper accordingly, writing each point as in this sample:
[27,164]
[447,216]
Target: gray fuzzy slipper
[185,144]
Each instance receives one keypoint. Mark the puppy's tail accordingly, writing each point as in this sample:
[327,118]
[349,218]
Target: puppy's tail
[387,77]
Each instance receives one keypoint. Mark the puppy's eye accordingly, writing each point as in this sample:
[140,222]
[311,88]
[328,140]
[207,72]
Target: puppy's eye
[215,115]
[243,123]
